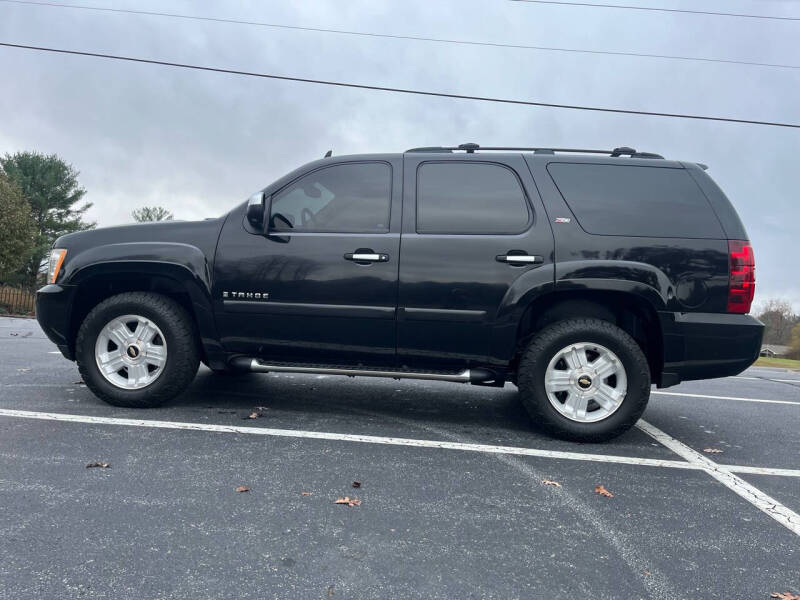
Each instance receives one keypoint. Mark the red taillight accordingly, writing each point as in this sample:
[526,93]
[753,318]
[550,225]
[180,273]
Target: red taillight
[742,280]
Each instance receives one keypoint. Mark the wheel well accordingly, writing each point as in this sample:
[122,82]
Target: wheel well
[634,315]
[96,289]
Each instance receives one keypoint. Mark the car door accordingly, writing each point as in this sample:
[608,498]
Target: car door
[325,273]
[470,234]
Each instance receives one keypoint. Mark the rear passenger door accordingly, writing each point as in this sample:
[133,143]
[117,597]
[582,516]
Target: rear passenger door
[473,231]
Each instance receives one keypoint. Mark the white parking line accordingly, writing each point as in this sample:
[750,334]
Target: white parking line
[393,441]
[348,437]
[760,470]
[761,400]
[782,514]
[766,379]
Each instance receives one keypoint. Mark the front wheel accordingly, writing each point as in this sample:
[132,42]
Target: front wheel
[137,350]
[584,380]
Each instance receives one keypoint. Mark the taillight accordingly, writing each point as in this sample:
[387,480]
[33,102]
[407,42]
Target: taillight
[742,280]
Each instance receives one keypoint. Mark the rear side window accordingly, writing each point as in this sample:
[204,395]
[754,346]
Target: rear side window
[468,197]
[635,201]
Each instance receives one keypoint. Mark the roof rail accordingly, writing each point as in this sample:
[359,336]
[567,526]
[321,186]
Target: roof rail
[470,148]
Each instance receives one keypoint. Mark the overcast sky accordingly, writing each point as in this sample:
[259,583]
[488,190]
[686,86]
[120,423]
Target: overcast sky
[199,143]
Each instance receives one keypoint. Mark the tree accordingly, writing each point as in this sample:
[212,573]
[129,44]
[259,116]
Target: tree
[50,185]
[17,227]
[778,318]
[794,344]
[151,213]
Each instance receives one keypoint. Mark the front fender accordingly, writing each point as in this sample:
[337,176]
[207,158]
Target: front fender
[184,264]
[159,255]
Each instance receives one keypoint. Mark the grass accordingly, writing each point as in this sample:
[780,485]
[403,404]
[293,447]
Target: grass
[784,363]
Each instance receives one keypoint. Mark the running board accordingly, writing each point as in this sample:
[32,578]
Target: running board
[465,376]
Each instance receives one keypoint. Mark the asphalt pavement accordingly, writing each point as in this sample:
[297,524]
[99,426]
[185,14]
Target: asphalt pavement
[457,488]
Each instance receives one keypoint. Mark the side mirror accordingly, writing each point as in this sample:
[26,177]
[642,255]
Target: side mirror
[255,210]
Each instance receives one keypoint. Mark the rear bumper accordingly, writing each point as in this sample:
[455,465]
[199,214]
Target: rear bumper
[53,309]
[708,345]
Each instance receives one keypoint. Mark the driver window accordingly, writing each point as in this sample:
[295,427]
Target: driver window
[345,198]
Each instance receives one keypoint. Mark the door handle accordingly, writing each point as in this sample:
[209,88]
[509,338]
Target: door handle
[519,259]
[366,257]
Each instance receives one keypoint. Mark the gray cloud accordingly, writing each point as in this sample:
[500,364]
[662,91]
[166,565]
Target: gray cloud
[199,143]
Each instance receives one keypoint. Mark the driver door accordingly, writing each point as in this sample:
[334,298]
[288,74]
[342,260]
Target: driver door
[326,270]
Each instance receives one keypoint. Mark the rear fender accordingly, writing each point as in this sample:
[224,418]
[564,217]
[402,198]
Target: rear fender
[641,279]
[638,279]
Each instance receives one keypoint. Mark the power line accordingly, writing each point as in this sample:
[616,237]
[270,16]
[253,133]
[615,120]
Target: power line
[398,90]
[669,10]
[403,37]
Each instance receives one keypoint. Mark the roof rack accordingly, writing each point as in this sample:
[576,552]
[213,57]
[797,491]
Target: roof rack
[470,148]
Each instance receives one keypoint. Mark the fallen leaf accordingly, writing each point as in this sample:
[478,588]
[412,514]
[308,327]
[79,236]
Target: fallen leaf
[242,488]
[23,370]
[102,465]
[257,413]
[349,501]
[356,484]
[305,493]
[600,489]
[550,482]
[646,572]
[785,596]
[712,450]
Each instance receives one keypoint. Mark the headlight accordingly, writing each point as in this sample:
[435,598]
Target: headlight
[56,260]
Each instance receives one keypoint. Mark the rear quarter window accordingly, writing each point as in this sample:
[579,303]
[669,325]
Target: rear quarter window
[635,201]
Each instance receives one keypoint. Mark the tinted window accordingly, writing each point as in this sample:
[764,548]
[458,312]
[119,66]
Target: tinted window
[636,201]
[347,198]
[460,197]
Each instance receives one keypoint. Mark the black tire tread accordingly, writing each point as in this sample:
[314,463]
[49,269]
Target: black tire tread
[184,352]
[540,411]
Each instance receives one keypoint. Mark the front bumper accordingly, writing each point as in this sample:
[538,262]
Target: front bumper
[53,310]
[708,345]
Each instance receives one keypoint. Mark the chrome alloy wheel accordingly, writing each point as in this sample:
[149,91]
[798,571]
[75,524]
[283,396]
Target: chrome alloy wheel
[130,352]
[585,382]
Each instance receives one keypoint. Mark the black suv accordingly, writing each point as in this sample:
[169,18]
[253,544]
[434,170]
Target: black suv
[580,276]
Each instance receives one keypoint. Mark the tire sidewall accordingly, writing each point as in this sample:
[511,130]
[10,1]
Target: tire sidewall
[91,328]
[532,380]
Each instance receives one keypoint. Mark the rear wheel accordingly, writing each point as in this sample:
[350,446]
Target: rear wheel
[584,380]
[137,349]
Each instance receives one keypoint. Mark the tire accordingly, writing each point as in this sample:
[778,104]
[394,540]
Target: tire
[161,380]
[614,402]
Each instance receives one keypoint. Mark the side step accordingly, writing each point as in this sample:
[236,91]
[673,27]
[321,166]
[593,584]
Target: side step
[465,376]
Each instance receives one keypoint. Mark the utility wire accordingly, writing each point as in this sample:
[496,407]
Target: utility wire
[398,90]
[657,9]
[401,37]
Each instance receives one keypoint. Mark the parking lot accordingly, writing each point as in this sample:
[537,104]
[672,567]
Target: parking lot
[453,499]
